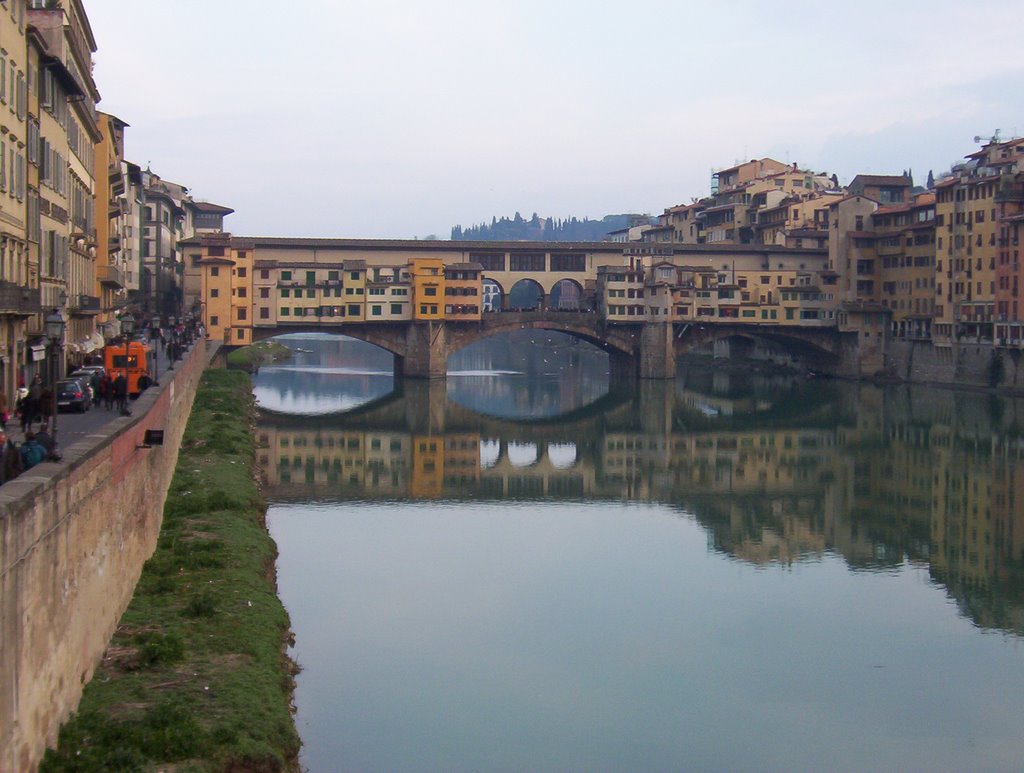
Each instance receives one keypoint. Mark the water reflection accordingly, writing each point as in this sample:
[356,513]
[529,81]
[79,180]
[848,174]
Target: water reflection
[528,374]
[776,472]
[518,375]
[325,374]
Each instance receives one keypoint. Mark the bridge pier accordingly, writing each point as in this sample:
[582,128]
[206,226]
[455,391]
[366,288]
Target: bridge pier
[655,406]
[426,351]
[621,367]
[425,406]
[657,351]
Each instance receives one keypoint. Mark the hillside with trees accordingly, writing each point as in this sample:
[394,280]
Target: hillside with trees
[546,229]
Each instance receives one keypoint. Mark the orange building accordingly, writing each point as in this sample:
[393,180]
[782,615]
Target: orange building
[428,288]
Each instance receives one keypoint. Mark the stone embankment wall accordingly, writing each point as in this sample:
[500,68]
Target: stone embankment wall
[73,538]
[960,364]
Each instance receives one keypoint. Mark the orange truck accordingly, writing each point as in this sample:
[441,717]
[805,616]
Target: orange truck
[131,359]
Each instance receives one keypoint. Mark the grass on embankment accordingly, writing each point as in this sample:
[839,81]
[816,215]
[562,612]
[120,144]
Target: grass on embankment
[252,357]
[195,678]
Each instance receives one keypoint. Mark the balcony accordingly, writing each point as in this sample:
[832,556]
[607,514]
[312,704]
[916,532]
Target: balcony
[1009,191]
[110,275]
[19,301]
[84,305]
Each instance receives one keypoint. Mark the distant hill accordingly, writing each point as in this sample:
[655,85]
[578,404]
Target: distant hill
[546,229]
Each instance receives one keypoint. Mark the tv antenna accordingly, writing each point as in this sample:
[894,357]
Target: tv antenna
[993,138]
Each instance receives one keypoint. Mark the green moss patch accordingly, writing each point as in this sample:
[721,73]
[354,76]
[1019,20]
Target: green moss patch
[195,678]
[251,357]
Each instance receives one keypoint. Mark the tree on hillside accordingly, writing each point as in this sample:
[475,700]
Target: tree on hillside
[538,228]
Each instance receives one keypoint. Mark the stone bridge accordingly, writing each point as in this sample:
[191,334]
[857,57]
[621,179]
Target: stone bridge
[638,349]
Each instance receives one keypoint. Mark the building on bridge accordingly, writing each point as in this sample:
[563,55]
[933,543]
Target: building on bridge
[281,284]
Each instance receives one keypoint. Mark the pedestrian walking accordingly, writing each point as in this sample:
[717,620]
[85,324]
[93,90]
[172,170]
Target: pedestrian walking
[107,391]
[94,384]
[121,393]
[30,404]
[3,410]
[47,406]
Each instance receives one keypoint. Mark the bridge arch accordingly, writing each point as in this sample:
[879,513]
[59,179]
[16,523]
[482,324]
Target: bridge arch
[566,295]
[562,456]
[490,453]
[526,295]
[493,295]
[522,454]
[390,338]
[808,347]
[613,339]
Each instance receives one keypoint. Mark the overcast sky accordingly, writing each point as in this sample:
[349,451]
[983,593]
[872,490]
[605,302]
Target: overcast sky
[396,118]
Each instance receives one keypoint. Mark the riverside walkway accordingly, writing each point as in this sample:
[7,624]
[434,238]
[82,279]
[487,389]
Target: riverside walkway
[74,428]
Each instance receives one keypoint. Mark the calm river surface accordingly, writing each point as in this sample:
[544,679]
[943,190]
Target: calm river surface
[518,570]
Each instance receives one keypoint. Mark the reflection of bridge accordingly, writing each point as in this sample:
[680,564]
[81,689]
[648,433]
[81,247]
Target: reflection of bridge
[416,442]
[873,483]
[644,349]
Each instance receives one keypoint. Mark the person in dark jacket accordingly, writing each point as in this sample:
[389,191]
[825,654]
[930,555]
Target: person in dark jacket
[121,393]
[11,465]
[44,439]
[30,404]
[107,391]
[94,383]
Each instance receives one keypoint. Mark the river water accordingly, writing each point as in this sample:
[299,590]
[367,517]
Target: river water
[518,569]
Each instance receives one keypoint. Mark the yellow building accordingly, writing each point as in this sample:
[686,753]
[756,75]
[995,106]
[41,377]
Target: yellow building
[905,247]
[389,294]
[354,285]
[110,191]
[428,456]
[241,295]
[217,264]
[68,131]
[620,293]
[428,287]
[19,294]
[967,227]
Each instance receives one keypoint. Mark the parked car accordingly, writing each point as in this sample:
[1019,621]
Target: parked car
[90,374]
[88,370]
[74,395]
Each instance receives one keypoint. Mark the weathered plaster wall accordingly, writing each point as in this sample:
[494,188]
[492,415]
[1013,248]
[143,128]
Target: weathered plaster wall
[73,538]
[967,364]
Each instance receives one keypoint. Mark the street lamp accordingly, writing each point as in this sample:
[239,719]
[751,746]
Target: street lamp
[55,325]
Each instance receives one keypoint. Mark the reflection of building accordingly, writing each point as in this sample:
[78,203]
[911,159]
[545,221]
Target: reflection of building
[922,480]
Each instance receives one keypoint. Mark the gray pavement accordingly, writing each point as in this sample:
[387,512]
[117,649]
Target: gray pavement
[73,426]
